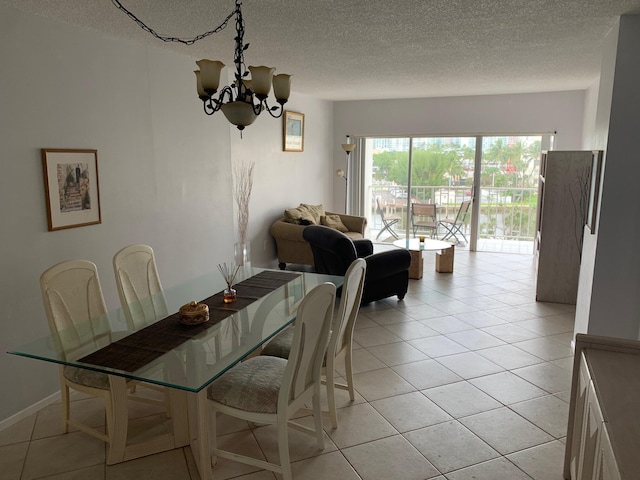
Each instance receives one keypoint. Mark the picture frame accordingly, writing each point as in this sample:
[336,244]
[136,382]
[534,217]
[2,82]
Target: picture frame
[71,187]
[594,190]
[293,131]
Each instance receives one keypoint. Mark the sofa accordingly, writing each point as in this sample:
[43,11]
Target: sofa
[287,231]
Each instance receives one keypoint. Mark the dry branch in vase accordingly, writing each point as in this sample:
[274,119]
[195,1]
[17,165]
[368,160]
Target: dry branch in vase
[243,183]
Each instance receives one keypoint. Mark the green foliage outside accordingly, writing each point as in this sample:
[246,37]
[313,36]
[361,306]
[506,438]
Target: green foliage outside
[440,165]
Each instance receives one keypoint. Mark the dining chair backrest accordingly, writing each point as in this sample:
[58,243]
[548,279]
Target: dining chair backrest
[139,286]
[75,308]
[309,344]
[345,320]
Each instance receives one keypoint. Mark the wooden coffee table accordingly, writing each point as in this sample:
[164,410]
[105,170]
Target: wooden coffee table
[444,254]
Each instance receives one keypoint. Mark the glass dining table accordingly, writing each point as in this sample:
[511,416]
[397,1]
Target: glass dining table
[184,358]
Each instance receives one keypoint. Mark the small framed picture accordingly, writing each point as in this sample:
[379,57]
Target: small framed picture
[293,129]
[594,191]
[71,188]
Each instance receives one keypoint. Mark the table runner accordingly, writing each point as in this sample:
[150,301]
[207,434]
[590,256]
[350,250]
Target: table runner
[142,347]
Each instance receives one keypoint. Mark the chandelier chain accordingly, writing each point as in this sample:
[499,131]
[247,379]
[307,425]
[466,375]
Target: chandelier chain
[165,38]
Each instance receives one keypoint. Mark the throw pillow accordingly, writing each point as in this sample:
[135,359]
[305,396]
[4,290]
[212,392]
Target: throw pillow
[292,215]
[315,212]
[298,216]
[334,221]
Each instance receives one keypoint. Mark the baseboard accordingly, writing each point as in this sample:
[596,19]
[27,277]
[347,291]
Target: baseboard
[13,419]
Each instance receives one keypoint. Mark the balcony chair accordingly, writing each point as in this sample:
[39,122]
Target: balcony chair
[453,226]
[387,221]
[270,390]
[423,216]
[341,340]
[333,252]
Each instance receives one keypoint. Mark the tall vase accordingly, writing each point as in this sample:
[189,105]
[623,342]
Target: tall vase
[242,254]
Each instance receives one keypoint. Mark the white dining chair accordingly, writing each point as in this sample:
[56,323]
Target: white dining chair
[270,390]
[139,286]
[341,340]
[142,300]
[78,322]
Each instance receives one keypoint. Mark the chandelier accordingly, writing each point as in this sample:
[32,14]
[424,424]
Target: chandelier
[242,101]
[246,98]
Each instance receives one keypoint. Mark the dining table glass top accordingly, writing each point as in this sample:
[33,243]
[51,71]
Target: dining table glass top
[147,342]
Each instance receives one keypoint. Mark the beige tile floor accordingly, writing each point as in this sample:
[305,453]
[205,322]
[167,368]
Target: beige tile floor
[467,378]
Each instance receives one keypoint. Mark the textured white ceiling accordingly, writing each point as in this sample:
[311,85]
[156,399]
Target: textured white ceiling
[366,49]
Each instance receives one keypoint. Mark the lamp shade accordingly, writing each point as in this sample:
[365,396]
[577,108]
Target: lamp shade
[210,75]
[348,147]
[239,113]
[282,87]
[201,93]
[261,78]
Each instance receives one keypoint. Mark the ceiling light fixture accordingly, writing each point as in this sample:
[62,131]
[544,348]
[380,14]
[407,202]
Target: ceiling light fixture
[243,100]
[238,101]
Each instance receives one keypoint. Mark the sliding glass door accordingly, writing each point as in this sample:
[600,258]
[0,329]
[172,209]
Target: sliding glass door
[500,174]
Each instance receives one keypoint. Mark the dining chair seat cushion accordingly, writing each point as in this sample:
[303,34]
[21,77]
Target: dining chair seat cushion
[252,386]
[280,345]
[88,378]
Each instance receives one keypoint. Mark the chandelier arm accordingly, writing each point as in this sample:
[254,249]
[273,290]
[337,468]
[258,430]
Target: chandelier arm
[165,38]
[271,110]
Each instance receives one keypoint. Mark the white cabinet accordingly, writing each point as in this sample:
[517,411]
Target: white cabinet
[603,434]
[563,198]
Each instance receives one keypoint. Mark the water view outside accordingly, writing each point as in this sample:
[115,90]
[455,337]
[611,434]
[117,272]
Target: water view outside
[442,172]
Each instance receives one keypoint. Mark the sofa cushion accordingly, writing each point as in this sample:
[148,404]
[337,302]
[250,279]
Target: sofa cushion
[297,216]
[316,212]
[304,214]
[333,221]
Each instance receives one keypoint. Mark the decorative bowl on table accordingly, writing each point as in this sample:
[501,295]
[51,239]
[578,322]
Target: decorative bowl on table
[194,313]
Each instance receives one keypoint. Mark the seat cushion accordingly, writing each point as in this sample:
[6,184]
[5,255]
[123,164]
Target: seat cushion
[252,386]
[85,377]
[280,345]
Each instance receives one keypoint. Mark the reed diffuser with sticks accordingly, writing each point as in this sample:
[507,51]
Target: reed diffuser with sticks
[229,273]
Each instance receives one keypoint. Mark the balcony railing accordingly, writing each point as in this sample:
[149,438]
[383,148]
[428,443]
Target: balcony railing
[506,213]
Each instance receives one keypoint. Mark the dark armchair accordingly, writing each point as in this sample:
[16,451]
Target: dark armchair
[387,272]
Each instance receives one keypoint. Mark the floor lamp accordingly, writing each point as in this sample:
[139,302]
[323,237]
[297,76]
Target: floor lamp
[348,148]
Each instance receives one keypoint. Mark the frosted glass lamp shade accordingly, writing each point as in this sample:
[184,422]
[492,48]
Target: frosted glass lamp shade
[282,87]
[201,93]
[348,147]
[210,75]
[261,78]
[239,113]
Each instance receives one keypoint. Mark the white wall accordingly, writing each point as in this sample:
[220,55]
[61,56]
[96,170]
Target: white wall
[164,172]
[612,302]
[286,179]
[596,138]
